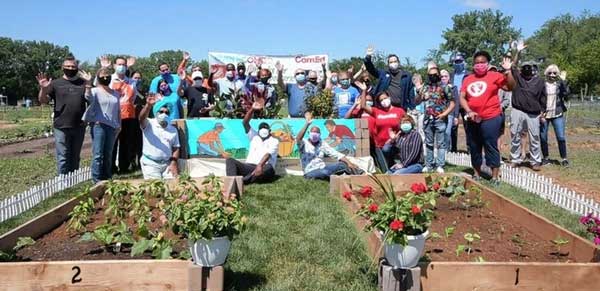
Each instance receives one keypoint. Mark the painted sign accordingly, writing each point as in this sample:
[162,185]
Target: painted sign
[222,138]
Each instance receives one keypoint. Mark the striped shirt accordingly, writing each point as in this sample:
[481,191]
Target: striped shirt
[410,147]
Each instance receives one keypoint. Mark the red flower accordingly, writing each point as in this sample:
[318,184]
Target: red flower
[347,195]
[373,208]
[436,186]
[366,191]
[396,225]
[418,188]
[415,210]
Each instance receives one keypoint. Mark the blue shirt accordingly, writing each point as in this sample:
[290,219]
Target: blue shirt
[172,101]
[297,98]
[343,99]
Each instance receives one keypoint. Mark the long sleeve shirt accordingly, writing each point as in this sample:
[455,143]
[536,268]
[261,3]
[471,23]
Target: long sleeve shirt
[409,146]
[312,155]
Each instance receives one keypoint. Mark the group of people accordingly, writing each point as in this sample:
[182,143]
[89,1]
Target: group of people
[411,123]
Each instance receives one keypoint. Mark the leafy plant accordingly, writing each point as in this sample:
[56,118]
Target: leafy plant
[558,243]
[81,213]
[236,104]
[117,206]
[449,231]
[470,238]
[321,104]
[23,242]
[592,224]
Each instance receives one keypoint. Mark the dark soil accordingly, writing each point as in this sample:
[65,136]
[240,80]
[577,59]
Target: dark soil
[502,239]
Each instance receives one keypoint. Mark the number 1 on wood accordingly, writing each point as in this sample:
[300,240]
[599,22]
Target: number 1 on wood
[76,278]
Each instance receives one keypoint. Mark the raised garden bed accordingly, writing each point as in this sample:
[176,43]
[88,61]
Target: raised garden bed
[58,259]
[510,241]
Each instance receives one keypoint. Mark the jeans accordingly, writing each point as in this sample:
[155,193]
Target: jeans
[204,149]
[435,135]
[324,173]
[382,158]
[559,130]
[234,167]
[103,141]
[518,119]
[412,169]
[484,136]
[68,142]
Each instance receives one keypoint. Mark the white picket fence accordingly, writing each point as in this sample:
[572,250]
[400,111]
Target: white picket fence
[17,204]
[537,184]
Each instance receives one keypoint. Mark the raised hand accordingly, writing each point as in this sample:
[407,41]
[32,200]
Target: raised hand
[362,86]
[186,56]
[42,80]
[278,66]
[214,70]
[392,134]
[104,61]
[151,99]
[251,68]
[181,74]
[309,117]
[85,75]
[370,50]
[351,70]
[130,61]
[521,45]
[257,106]
[563,75]
[506,63]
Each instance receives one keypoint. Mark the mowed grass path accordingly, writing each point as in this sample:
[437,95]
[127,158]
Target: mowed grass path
[299,238]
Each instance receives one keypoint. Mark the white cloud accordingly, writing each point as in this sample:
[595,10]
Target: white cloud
[480,4]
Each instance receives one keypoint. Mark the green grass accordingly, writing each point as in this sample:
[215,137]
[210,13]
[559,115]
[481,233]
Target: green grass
[299,238]
[20,174]
[25,128]
[17,113]
[580,112]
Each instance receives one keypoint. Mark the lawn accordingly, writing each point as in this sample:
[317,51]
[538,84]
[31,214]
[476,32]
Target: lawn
[20,174]
[17,123]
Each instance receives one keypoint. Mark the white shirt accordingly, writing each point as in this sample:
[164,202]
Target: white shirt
[226,85]
[551,93]
[312,156]
[259,148]
[158,142]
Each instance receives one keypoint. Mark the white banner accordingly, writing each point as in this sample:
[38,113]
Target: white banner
[290,64]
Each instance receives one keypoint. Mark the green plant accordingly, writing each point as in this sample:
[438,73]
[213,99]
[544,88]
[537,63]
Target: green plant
[450,186]
[558,243]
[470,238]
[236,104]
[449,231]
[398,217]
[23,242]
[321,104]
[117,205]
[81,213]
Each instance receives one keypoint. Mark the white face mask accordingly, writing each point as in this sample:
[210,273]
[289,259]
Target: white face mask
[386,102]
[394,66]
[260,87]
[162,119]
[263,133]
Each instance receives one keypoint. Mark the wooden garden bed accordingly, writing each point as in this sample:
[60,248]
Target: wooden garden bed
[65,265]
[516,245]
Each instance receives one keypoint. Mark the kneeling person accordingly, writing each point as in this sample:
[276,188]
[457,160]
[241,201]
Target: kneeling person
[262,155]
[312,152]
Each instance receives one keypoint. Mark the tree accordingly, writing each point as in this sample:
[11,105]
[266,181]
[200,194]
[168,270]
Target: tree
[480,30]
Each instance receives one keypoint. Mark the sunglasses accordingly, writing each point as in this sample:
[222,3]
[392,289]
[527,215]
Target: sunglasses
[458,62]
[164,111]
[552,73]
[300,74]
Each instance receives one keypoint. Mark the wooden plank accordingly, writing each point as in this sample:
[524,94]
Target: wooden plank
[204,278]
[107,275]
[449,276]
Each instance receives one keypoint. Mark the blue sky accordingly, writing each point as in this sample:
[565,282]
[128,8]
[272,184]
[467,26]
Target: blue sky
[338,28]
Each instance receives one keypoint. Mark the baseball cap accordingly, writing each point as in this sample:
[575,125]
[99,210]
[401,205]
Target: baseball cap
[197,74]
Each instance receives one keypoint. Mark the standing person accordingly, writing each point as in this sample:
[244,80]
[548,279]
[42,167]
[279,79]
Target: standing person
[168,91]
[439,103]
[409,148]
[262,91]
[207,83]
[504,97]
[451,133]
[127,90]
[344,95]
[262,154]
[104,117]
[199,101]
[459,73]
[395,82]
[386,121]
[297,93]
[68,94]
[528,105]
[479,99]
[314,149]
[230,84]
[161,142]
[419,111]
[140,102]
[557,91]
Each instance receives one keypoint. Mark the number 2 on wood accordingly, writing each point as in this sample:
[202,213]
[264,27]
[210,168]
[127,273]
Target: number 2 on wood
[76,278]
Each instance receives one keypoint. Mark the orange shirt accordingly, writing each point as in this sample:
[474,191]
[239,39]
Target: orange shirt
[209,137]
[127,98]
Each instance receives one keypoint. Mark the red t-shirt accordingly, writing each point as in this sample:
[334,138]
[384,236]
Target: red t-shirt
[384,120]
[482,93]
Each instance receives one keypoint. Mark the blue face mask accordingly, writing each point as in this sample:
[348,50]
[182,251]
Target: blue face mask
[406,127]
[345,83]
[121,69]
[334,80]
[459,67]
[300,78]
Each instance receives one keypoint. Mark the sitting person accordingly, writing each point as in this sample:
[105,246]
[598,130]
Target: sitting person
[409,148]
[262,155]
[312,151]
[209,143]
[160,149]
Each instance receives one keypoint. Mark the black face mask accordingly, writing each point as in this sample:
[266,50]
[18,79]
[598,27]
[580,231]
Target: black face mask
[434,78]
[527,71]
[314,81]
[264,80]
[70,73]
[104,80]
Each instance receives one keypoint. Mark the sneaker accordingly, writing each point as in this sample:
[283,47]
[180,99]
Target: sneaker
[536,167]
[565,163]
[545,161]
[439,170]
[426,170]
[477,178]
[495,182]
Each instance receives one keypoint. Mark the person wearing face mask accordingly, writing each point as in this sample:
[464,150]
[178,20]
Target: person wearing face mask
[479,99]
[528,105]
[314,149]
[344,95]
[557,91]
[160,150]
[230,83]
[262,154]
[262,91]
[68,94]
[451,128]
[457,76]
[104,118]
[199,101]
[206,83]
[395,82]
[409,148]
[386,120]
[168,89]
[438,104]
[297,93]
[332,81]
